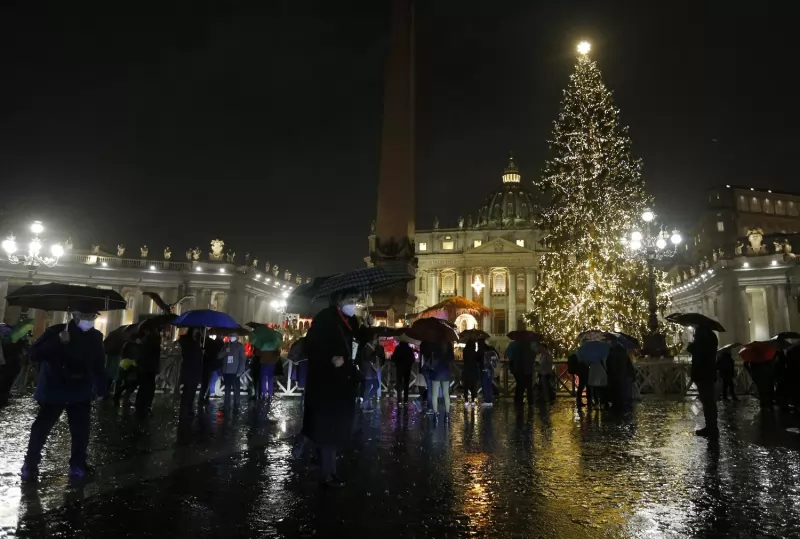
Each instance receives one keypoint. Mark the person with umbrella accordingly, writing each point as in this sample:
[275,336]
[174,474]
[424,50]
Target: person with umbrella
[704,352]
[128,372]
[546,385]
[726,369]
[234,363]
[441,376]
[191,368]
[332,348]
[211,363]
[148,368]
[471,372]
[489,358]
[71,373]
[522,363]
[403,358]
[371,355]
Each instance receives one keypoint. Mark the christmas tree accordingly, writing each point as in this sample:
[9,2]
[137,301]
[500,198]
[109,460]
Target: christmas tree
[587,280]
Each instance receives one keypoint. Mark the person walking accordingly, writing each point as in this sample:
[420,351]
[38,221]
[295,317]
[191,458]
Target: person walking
[269,362]
[471,372]
[128,374]
[704,351]
[191,369]
[211,363]
[233,365]
[71,372]
[489,359]
[403,358]
[522,363]
[147,369]
[546,374]
[441,377]
[726,369]
[598,382]
[425,369]
[369,365]
[255,374]
[331,347]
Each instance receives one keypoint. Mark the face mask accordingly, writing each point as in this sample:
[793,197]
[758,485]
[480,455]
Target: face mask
[233,339]
[349,309]
[85,325]
[212,337]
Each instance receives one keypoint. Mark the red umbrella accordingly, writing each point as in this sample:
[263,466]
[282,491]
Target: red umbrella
[758,352]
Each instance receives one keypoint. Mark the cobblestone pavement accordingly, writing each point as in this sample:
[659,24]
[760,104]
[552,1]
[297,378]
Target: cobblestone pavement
[545,472]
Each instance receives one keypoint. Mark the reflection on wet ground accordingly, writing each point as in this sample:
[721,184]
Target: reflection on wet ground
[547,472]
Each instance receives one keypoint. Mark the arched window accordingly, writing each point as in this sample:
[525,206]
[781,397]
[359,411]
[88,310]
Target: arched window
[522,292]
[499,283]
[448,283]
[743,203]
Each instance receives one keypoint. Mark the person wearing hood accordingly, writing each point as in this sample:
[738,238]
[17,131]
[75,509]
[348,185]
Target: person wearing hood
[234,363]
[332,349]
[71,373]
[704,352]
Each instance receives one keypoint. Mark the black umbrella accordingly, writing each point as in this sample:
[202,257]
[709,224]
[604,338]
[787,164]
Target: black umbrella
[695,319]
[157,321]
[117,338]
[66,297]
[385,331]
[365,280]
[524,335]
[630,343]
[433,330]
[473,335]
[786,335]
[254,325]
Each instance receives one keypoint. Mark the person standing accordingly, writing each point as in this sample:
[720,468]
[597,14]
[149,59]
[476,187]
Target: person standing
[726,369]
[441,376]
[255,374]
[269,362]
[71,372]
[191,369]
[546,374]
[704,351]
[470,374]
[522,362]
[233,365]
[489,359]
[128,374]
[403,358]
[369,372]
[331,348]
[211,363]
[148,368]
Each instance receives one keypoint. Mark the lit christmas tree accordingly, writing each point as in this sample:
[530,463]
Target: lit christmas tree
[596,195]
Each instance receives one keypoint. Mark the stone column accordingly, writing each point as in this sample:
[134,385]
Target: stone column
[529,283]
[460,277]
[487,300]
[468,290]
[3,294]
[511,313]
[434,289]
[779,311]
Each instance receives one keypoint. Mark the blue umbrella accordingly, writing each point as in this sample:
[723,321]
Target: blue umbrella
[593,351]
[205,318]
[624,340]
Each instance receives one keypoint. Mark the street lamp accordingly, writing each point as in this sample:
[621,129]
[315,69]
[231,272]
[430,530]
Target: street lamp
[652,246]
[33,257]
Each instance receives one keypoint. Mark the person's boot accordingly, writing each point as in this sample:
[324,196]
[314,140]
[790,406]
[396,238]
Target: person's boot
[707,432]
[29,473]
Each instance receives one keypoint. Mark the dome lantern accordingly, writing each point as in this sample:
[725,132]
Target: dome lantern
[511,173]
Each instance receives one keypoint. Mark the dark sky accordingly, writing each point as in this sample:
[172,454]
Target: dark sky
[258,121]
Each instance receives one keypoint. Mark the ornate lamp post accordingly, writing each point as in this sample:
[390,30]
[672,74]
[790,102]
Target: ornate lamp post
[652,246]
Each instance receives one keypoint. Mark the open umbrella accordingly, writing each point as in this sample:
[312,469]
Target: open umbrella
[433,330]
[158,321]
[254,325]
[266,339]
[758,352]
[625,340]
[473,335]
[695,319]
[729,346]
[66,297]
[786,335]
[205,318]
[365,280]
[454,307]
[116,339]
[385,331]
[524,335]
[593,351]
[591,335]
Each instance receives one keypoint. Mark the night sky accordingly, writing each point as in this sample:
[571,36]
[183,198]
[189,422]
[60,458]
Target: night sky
[258,121]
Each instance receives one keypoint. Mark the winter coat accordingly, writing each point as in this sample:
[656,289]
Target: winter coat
[704,353]
[471,372]
[598,376]
[443,357]
[616,366]
[150,358]
[725,364]
[370,361]
[521,358]
[191,360]
[403,356]
[233,358]
[211,359]
[69,372]
[330,391]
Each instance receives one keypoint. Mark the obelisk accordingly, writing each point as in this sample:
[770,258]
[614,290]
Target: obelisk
[392,239]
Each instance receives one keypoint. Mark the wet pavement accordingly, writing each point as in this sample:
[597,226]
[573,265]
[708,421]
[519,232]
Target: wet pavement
[548,472]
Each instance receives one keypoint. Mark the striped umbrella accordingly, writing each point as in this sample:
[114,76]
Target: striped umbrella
[365,280]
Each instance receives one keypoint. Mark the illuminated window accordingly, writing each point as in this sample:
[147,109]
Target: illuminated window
[448,283]
[743,203]
[499,322]
[720,226]
[423,246]
[780,209]
[499,283]
[792,209]
[477,243]
[522,293]
[521,243]
[768,206]
[755,204]
[448,245]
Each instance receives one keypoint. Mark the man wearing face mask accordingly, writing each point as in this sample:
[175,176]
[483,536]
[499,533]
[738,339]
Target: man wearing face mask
[71,372]
[331,347]
[233,365]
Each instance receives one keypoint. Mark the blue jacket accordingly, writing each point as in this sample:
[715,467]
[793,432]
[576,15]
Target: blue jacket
[69,373]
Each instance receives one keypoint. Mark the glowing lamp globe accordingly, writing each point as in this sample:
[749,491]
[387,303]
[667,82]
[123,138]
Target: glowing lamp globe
[661,243]
[636,244]
[584,47]
[676,238]
[37,227]
[10,246]
[648,215]
[35,247]
[57,251]
[636,236]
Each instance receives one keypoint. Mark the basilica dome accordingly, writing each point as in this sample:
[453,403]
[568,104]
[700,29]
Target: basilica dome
[510,206]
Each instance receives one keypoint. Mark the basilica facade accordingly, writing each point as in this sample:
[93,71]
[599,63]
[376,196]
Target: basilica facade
[492,260]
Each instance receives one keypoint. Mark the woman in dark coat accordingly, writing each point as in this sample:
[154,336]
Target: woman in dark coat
[471,372]
[191,369]
[331,347]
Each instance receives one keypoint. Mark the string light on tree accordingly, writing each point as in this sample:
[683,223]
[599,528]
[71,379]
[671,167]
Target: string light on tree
[584,47]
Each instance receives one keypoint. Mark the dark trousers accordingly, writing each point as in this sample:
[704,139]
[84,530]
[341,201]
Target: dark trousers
[763,376]
[204,383]
[327,460]
[231,387]
[126,386]
[403,381]
[524,384]
[486,385]
[583,383]
[705,391]
[147,391]
[470,390]
[255,374]
[370,389]
[78,418]
[187,399]
[727,385]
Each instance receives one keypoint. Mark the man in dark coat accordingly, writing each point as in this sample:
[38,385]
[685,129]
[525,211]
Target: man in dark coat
[71,372]
[191,369]
[148,367]
[704,352]
[332,349]
[471,372]
[725,366]
[403,358]
[211,363]
[522,361]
